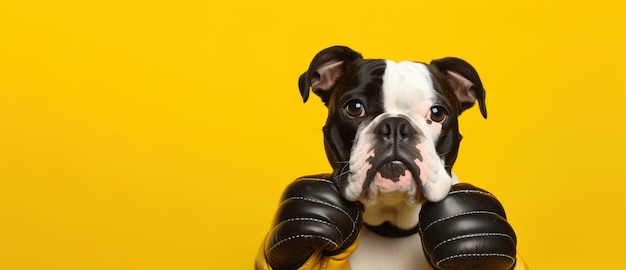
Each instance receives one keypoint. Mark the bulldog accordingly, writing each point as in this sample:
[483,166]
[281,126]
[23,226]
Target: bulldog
[392,201]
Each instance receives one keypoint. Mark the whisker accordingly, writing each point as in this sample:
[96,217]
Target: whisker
[344,170]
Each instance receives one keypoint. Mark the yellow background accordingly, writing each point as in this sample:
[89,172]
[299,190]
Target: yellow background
[159,134]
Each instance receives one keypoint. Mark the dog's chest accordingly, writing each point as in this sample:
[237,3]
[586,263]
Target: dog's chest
[377,252]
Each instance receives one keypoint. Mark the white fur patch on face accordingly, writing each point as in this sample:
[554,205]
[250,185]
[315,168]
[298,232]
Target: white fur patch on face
[407,88]
[408,92]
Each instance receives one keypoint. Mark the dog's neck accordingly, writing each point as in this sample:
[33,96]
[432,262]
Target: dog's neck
[398,220]
[402,215]
[388,230]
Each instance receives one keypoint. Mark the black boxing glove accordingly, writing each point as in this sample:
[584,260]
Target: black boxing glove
[312,216]
[467,230]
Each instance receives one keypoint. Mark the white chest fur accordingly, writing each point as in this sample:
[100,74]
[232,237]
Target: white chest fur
[382,253]
[375,252]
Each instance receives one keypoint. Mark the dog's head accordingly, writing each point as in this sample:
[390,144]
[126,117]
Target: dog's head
[391,134]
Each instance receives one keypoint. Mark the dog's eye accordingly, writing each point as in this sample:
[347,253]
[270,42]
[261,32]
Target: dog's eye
[355,109]
[437,114]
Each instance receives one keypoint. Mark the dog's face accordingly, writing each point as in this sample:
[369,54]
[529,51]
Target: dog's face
[392,133]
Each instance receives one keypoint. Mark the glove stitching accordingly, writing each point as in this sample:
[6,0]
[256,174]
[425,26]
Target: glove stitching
[353,220]
[464,255]
[470,236]
[317,179]
[354,223]
[335,245]
[315,220]
[470,191]
[458,215]
[324,203]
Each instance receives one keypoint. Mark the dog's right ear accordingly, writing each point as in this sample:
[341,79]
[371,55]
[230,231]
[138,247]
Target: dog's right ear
[324,71]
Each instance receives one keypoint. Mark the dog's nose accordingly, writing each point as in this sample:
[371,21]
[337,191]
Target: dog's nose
[395,129]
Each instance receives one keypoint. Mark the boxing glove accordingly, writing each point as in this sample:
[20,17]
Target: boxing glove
[312,216]
[467,230]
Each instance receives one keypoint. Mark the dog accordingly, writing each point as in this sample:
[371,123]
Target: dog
[392,138]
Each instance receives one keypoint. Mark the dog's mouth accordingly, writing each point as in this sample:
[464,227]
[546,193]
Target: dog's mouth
[393,170]
[393,181]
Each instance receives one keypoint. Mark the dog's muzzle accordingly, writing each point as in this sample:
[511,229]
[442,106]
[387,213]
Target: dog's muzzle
[393,158]
[396,140]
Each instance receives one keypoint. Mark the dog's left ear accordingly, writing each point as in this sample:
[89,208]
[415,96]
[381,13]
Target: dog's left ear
[463,80]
